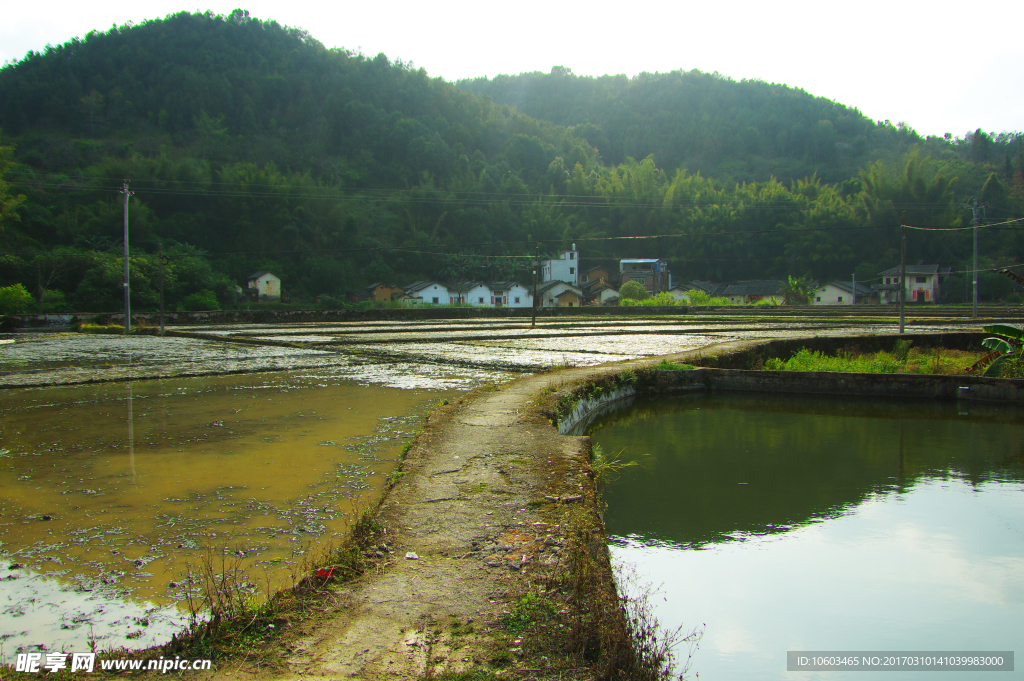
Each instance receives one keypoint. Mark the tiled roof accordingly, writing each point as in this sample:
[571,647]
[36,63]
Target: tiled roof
[911,269]
[755,287]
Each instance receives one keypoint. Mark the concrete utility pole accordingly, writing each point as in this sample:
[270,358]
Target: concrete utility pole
[536,266]
[127,291]
[975,209]
[903,274]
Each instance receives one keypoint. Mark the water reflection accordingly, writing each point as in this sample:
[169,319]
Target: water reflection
[266,465]
[717,468]
[809,524]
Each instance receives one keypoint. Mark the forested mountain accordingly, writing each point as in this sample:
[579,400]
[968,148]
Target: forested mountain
[249,145]
[707,123]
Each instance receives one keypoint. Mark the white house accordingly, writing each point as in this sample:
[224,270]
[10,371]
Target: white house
[566,267]
[427,292]
[510,294]
[841,293]
[560,294]
[600,294]
[924,284]
[266,285]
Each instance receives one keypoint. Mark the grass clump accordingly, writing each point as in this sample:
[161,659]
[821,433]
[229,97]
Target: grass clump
[100,328]
[902,359]
[672,366]
[605,467]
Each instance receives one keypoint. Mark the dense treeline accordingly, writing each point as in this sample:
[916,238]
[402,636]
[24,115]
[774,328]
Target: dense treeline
[250,146]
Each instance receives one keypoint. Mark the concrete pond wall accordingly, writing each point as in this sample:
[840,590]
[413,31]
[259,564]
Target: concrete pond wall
[726,373]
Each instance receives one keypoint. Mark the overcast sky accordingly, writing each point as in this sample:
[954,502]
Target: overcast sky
[939,66]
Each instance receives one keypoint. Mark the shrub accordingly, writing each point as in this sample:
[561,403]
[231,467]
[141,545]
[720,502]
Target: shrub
[201,300]
[15,299]
[633,290]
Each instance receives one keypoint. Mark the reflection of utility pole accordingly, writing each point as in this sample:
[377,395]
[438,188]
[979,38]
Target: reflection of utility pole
[536,266]
[162,263]
[902,474]
[855,289]
[127,299]
[131,435]
[975,209]
[903,273]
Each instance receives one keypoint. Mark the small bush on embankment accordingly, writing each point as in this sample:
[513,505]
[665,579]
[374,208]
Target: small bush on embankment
[902,360]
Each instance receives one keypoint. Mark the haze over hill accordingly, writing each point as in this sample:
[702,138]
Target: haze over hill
[251,146]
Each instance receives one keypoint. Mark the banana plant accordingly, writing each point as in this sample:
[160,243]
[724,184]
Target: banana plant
[1002,345]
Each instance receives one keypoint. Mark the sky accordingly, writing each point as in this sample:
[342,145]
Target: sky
[938,66]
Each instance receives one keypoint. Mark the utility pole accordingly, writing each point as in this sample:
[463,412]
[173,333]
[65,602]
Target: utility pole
[975,209]
[536,266]
[903,273]
[127,291]
[161,258]
[854,288]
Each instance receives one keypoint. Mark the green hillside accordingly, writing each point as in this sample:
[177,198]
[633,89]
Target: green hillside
[249,145]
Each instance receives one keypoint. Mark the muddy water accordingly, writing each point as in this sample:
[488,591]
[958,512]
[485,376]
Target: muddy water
[108,492]
[782,523]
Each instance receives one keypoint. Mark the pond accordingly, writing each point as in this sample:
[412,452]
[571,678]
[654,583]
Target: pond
[110,492]
[779,523]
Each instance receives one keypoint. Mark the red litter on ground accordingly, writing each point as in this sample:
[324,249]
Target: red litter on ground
[325,573]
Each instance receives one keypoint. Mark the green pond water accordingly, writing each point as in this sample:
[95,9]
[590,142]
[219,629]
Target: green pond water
[778,523]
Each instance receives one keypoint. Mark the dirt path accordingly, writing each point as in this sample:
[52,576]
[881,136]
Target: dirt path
[473,507]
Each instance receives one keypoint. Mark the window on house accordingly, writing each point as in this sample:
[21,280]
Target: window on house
[572,256]
[481,299]
[818,299]
[572,270]
[517,300]
[435,300]
[922,280]
[839,299]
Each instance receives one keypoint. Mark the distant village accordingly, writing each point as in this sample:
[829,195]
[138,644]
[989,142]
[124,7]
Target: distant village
[560,283]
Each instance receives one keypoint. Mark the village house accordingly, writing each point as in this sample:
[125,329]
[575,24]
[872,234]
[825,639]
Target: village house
[510,294]
[680,292]
[382,292]
[426,292]
[842,293]
[560,294]
[652,273]
[566,267]
[264,285]
[599,292]
[752,291]
[596,274]
[924,284]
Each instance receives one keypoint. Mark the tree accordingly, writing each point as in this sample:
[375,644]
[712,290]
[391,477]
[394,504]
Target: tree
[633,290]
[8,202]
[14,299]
[798,291]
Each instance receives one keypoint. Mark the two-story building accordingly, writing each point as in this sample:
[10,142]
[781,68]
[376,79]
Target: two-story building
[652,273]
[566,267]
[924,284]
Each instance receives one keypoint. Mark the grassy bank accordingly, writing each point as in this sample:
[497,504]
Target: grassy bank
[903,359]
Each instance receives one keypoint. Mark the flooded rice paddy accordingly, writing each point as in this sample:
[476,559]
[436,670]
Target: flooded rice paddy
[100,512]
[108,492]
[782,523]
